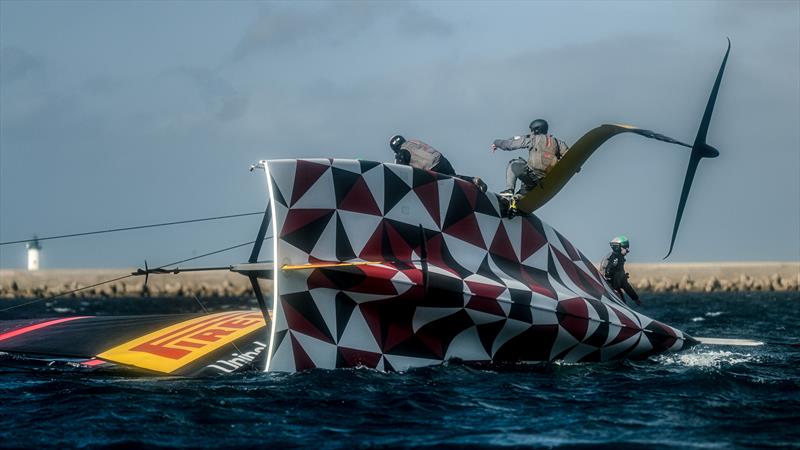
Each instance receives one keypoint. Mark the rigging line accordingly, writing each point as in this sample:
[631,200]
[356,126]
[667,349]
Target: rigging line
[112,230]
[209,253]
[61,294]
[206,311]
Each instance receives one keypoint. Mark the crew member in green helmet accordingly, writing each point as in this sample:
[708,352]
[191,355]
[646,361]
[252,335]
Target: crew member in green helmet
[613,268]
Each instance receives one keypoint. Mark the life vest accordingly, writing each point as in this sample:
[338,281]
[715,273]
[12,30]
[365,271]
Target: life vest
[544,153]
[423,156]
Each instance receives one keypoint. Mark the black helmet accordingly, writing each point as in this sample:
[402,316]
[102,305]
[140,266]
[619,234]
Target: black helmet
[539,126]
[396,141]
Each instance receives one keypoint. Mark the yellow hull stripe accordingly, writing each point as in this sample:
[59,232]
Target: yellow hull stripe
[326,265]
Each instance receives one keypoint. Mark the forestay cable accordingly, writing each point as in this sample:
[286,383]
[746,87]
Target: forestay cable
[132,275]
[138,227]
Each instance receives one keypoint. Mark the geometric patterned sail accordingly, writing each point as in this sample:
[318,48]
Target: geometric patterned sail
[351,288]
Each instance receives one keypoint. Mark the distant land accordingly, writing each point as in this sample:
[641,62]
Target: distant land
[646,277]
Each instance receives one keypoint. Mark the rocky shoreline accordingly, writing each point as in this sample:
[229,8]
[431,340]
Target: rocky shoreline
[672,277]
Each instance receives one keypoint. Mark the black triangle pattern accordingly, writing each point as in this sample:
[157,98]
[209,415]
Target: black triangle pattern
[390,315]
[343,181]
[457,209]
[488,332]
[344,250]
[306,238]
[394,190]
[278,194]
[303,303]
[344,310]
[366,166]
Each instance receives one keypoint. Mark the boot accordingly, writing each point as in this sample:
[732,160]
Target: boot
[481,185]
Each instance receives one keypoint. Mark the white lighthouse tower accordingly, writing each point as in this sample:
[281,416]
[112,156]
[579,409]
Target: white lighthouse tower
[33,253]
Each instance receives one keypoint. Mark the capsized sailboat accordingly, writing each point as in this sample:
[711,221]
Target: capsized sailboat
[383,266]
[388,267]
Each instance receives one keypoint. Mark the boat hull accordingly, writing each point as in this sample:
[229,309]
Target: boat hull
[389,267]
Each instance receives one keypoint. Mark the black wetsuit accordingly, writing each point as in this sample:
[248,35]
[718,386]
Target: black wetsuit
[613,267]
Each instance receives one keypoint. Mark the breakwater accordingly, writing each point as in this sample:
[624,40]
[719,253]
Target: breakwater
[670,277]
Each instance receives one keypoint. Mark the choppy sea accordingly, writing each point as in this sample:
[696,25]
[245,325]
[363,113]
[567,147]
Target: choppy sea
[705,397]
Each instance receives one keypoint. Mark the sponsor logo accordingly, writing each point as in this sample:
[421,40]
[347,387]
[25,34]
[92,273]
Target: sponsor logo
[239,360]
[173,347]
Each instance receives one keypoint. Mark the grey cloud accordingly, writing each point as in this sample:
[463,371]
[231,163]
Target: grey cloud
[283,26]
[218,92]
[17,64]
[413,21]
[102,85]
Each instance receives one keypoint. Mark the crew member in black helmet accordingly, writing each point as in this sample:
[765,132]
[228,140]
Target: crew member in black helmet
[416,153]
[613,267]
[544,151]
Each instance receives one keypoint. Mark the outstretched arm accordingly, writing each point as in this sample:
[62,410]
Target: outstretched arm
[514,143]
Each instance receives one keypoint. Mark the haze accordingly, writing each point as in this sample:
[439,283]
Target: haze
[115,114]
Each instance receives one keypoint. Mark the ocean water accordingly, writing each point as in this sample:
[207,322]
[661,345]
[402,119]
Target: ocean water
[706,397]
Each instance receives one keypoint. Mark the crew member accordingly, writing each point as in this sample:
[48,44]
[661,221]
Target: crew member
[416,153]
[544,151]
[613,267]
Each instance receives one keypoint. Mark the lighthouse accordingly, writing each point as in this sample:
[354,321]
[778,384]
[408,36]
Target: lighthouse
[33,253]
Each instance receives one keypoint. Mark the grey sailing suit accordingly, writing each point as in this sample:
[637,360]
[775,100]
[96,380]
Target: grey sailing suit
[544,151]
[418,154]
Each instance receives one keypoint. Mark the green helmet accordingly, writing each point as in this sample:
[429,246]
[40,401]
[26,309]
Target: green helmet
[620,242]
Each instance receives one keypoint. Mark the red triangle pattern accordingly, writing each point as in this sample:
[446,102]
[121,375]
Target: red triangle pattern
[469,190]
[317,279]
[428,195]
[360,200]
[297,322]
[301,359]
[355,358]
[306,174]
[501,245]
[432,342]
[298,218]
[486,305]
[467,229]
[375,285]
[532,240]
[485,290]
[397,334]
[537,287]
[573,317]
[578,276]
[400,248]
[373,249]
[390,317]
[573,254]
[372,316]
[629,328]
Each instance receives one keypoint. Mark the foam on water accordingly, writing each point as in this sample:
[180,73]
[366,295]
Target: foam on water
[707,358]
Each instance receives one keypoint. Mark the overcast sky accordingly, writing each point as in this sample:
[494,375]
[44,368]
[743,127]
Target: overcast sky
[115,114]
